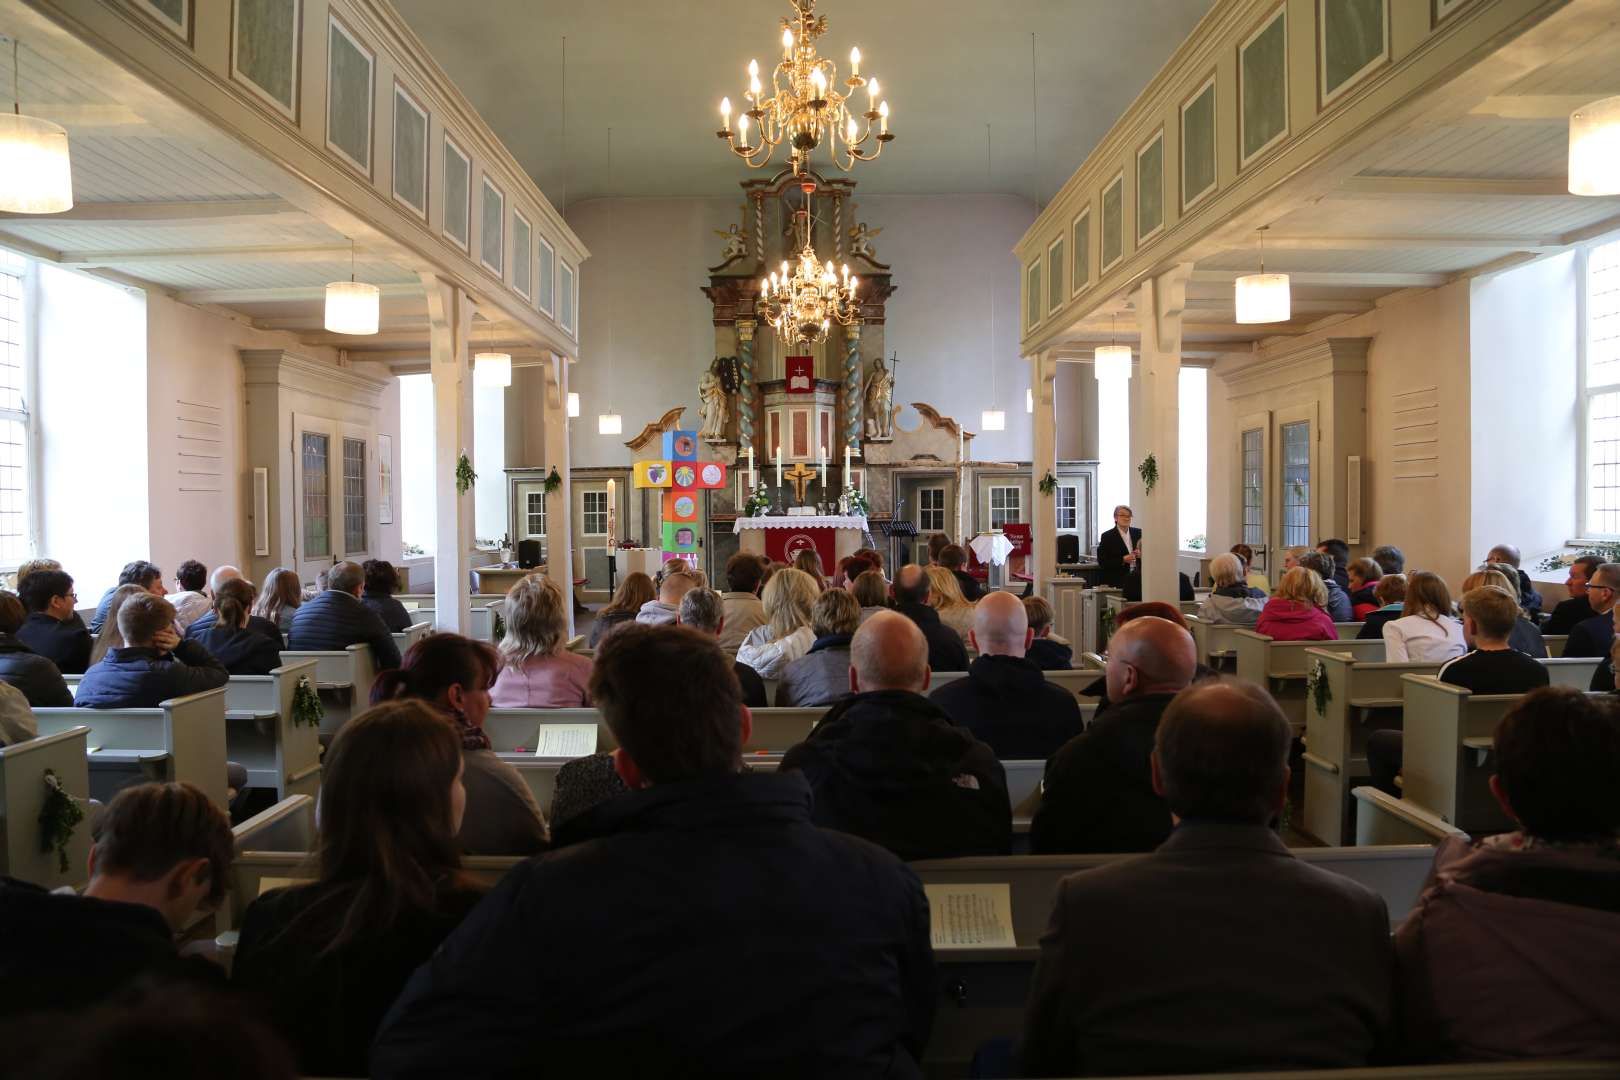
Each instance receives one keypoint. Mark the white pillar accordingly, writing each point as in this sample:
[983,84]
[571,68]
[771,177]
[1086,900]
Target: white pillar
[1043,377]
[560,504]
[450,330]
[1156,430]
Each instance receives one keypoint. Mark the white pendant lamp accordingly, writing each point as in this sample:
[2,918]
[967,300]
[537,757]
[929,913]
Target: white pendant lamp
[35,175]
[993,420]
[1263,297]
[492,369]
[1594,148]
[573,405]
[1111,362]
[352,307]
[609,423]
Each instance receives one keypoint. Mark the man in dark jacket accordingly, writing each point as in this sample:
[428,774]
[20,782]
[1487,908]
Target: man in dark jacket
[1219,952]
[704,610]
[945,649]
[705,927]
[1593,636]
[953,557]
[336,619]
[140,572]
[1045,651]
[1339,608]
[39,680]
[1578,608]
[154,665]
[52,629]
[887,764]
[1339,552]
[1099,792]
[161,852]
[1006,700]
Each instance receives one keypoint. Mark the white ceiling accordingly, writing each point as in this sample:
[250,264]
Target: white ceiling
[655,73]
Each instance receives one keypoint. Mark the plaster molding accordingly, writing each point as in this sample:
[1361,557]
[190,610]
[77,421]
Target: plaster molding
[1319,359]
[290,371]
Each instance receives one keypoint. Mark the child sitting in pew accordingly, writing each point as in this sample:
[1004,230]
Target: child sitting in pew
[162,852]
[154,665]
[327,959]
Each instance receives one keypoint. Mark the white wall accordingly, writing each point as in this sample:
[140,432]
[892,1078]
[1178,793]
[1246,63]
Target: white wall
[489,461]
[1522,405]
[92,420]
[414,460]
[649,262]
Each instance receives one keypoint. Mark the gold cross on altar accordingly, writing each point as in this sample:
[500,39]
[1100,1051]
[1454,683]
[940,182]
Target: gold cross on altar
[800,477]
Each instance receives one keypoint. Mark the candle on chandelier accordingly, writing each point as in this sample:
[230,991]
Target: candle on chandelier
[742,129]
[855,62]
[787,41]
[883,113]
[872,91]
[725,114]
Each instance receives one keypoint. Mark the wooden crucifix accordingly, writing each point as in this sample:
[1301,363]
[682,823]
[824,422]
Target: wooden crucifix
[800,477]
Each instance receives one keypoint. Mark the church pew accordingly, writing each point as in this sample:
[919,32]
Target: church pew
[413,633]
[343,677]
[480,620]
[1336,737]
[261,736]
[1555,643]
[1445,751]
[289,826]
[183,739]
[518,730]
[427,600]
[983,992]
[1382,819]
[1281,666]
[1574,672]
[22,797]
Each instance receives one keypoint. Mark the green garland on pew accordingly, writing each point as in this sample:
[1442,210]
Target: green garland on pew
[307,710]
[465,477]
[497,628]
[57,819]
[1316,684]
[1107,621]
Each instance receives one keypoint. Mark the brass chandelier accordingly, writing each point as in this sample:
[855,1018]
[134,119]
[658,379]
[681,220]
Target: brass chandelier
[805,106]
[802,307]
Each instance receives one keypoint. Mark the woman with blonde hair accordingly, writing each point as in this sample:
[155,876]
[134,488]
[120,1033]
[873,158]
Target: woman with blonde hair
[1426,632]
[1526,637]
[108,637]
[279,599]
[1299,610]
[789,599]
[537,671]
[635,590]
[945,596]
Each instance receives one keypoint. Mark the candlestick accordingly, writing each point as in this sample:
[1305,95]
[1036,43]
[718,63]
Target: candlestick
[612,516]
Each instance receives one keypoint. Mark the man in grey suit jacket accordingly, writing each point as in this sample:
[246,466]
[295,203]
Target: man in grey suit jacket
[1220,951]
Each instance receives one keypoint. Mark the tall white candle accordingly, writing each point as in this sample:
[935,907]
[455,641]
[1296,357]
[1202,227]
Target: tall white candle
[823,457]
[779,465]
[612,521]
[847,480]
[752,479]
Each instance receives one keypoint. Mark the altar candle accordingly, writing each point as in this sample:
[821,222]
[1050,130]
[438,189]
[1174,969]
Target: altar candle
[612,514]
[823,456]
[751,477]
[847,480]
[778,465]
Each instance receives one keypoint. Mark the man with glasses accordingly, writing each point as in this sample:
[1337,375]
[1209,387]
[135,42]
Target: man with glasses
[1099,794]
[1592,637]
[51,629]
[1578,608]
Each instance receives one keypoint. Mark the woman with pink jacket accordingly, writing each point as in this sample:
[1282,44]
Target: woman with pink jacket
[1299,610]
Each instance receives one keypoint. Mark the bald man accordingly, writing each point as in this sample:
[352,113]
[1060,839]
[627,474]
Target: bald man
[888,765]
[1099,793]
[1006,700]
[1148,961]
[911,593]
[666,609]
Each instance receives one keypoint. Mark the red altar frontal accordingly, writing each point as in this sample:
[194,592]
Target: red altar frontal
[781,538]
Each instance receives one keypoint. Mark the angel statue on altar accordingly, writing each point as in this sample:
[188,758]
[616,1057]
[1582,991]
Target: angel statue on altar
[712,406]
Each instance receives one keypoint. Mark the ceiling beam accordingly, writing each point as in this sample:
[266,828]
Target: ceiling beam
[211,211]
[286,295]
[1346,279]
[195,256]
[1410,242]
[1449,187]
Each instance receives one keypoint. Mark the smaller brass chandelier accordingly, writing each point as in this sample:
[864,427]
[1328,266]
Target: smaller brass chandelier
[802,307]
[805,106]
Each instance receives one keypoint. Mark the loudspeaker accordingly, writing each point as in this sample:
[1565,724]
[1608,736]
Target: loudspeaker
[528,554]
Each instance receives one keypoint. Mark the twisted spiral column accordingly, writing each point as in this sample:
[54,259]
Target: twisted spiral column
[852,385]
[745,382]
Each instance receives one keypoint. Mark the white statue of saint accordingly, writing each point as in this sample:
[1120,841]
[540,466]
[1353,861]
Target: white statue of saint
[879,401]
[712,398]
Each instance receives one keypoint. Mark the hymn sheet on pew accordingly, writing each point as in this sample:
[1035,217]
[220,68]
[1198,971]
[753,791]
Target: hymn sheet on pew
[566,740]
[971,916]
